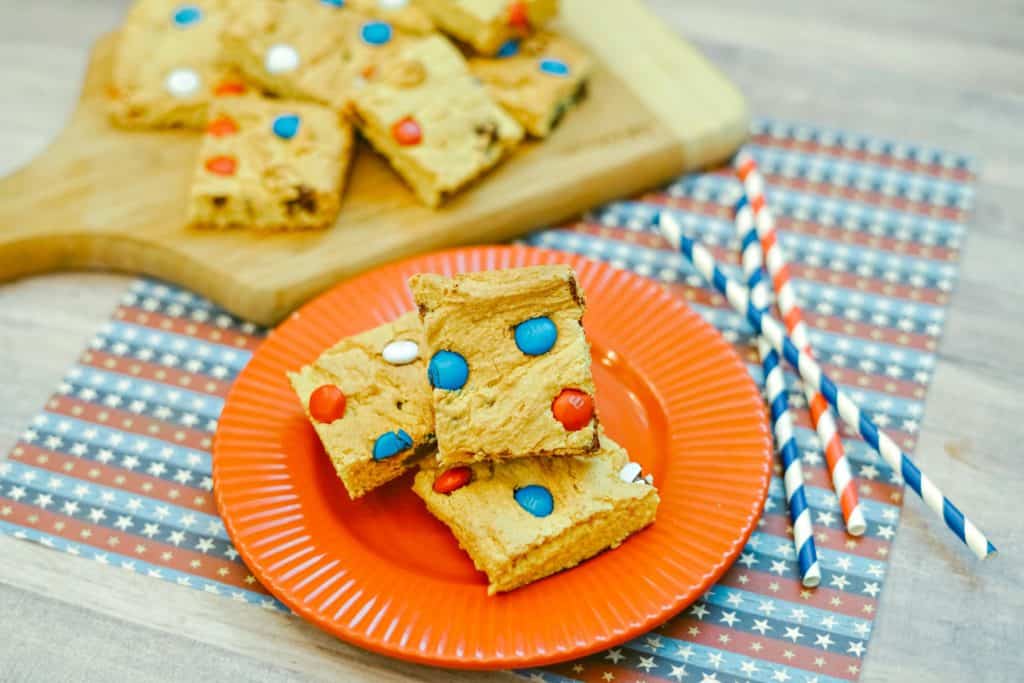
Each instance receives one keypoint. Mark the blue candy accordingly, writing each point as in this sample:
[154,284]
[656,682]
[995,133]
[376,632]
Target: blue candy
[535,499]
[448,370]
[390,444]
[536,336]
[286,126]
[509,49]
[185,15]
[377,32]
[555,67]
[334,3]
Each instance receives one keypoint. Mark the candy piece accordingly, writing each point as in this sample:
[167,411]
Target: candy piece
[286,126]
[448,370]
[392,4]
[185,15]
[333,3]
[401,352]
[230,88]
[517,15]
[182,82]
[555,67]
[453,479]
[407,132]
[390,444]
[535,499]
[221,165]
[281,59]
[376,32]
[630,471]
[222,126]
[327,403]
[509,49]
[573,408]
[536,336]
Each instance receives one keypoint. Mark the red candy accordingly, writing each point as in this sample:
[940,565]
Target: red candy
[327,404]
[221,126]
[230,88]
[517,16]
[407,132]
[221,165]
[452,479]
[573,408]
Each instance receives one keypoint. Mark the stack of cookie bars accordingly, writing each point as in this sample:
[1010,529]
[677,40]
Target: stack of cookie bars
[487,391]
[278,86]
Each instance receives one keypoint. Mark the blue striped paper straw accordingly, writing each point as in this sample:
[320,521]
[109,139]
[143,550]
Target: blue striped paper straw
[811,373]
[782,421]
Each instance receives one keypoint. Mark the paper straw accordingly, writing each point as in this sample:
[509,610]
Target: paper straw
[811,373]
[782,421]
[770,252]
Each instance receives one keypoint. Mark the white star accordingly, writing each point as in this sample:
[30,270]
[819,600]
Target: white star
[123,522]
[829,622]
[856,648]
[685,651]
[678,672]
[734,599]
[766,606]
[728,618]
[780,675]
[839,581]
[748,559]
[886,532]
[615,655]
[749,668]
[793,634]
[176,537]
[715,659]
[778,567]
[709,678]
[699,610]
[824,640]
[799,614]
[761,626]
[654,642]
[43,500]
[97,514]
[646,663]
[843,563]
[871,588]
[70,507]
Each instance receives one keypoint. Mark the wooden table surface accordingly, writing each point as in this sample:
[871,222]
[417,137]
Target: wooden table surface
[938,73]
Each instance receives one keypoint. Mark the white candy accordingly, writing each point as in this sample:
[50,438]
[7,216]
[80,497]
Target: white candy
[182,82]
[401,352]
[392,4]
[630,471]
[281,59]
[649,479]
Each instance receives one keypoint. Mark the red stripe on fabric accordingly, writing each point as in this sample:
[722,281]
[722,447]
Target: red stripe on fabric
[155,373]
[790,590]
[145,549]
[813,229]
[824,276]
[92,472]
[909,165]
[129,422]
[767,648]
[210,333]
[777,523]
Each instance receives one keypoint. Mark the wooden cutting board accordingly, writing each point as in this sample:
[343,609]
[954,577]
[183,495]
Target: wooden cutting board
[99,197]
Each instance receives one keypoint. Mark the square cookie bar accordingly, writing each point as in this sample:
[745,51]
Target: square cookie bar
[509,363]
[270,165]
[529,518]
[536,80]
[433,120]
[167,64]
[487,25]
[308,49]
[369,401]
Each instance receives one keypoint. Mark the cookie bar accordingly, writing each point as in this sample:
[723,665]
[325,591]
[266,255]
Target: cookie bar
[433,120]
[536,80]
[487,25]
[167,64]
[404,15]
[308,49]
[529,518]
[509,363]
[270,165]
[369,402]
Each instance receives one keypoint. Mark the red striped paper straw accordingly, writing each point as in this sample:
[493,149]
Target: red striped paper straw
[792,315]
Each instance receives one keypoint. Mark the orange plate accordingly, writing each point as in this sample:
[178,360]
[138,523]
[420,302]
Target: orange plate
[383,574]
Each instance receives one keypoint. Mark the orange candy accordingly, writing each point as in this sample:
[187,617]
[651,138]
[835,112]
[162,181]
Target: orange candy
[230,88]
[573,408]
[221,165]
[221,126]
[452,479]
[407,132]
[517,16]
[327,404]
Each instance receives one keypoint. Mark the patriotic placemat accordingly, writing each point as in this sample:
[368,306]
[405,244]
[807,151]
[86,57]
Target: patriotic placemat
[116,468]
